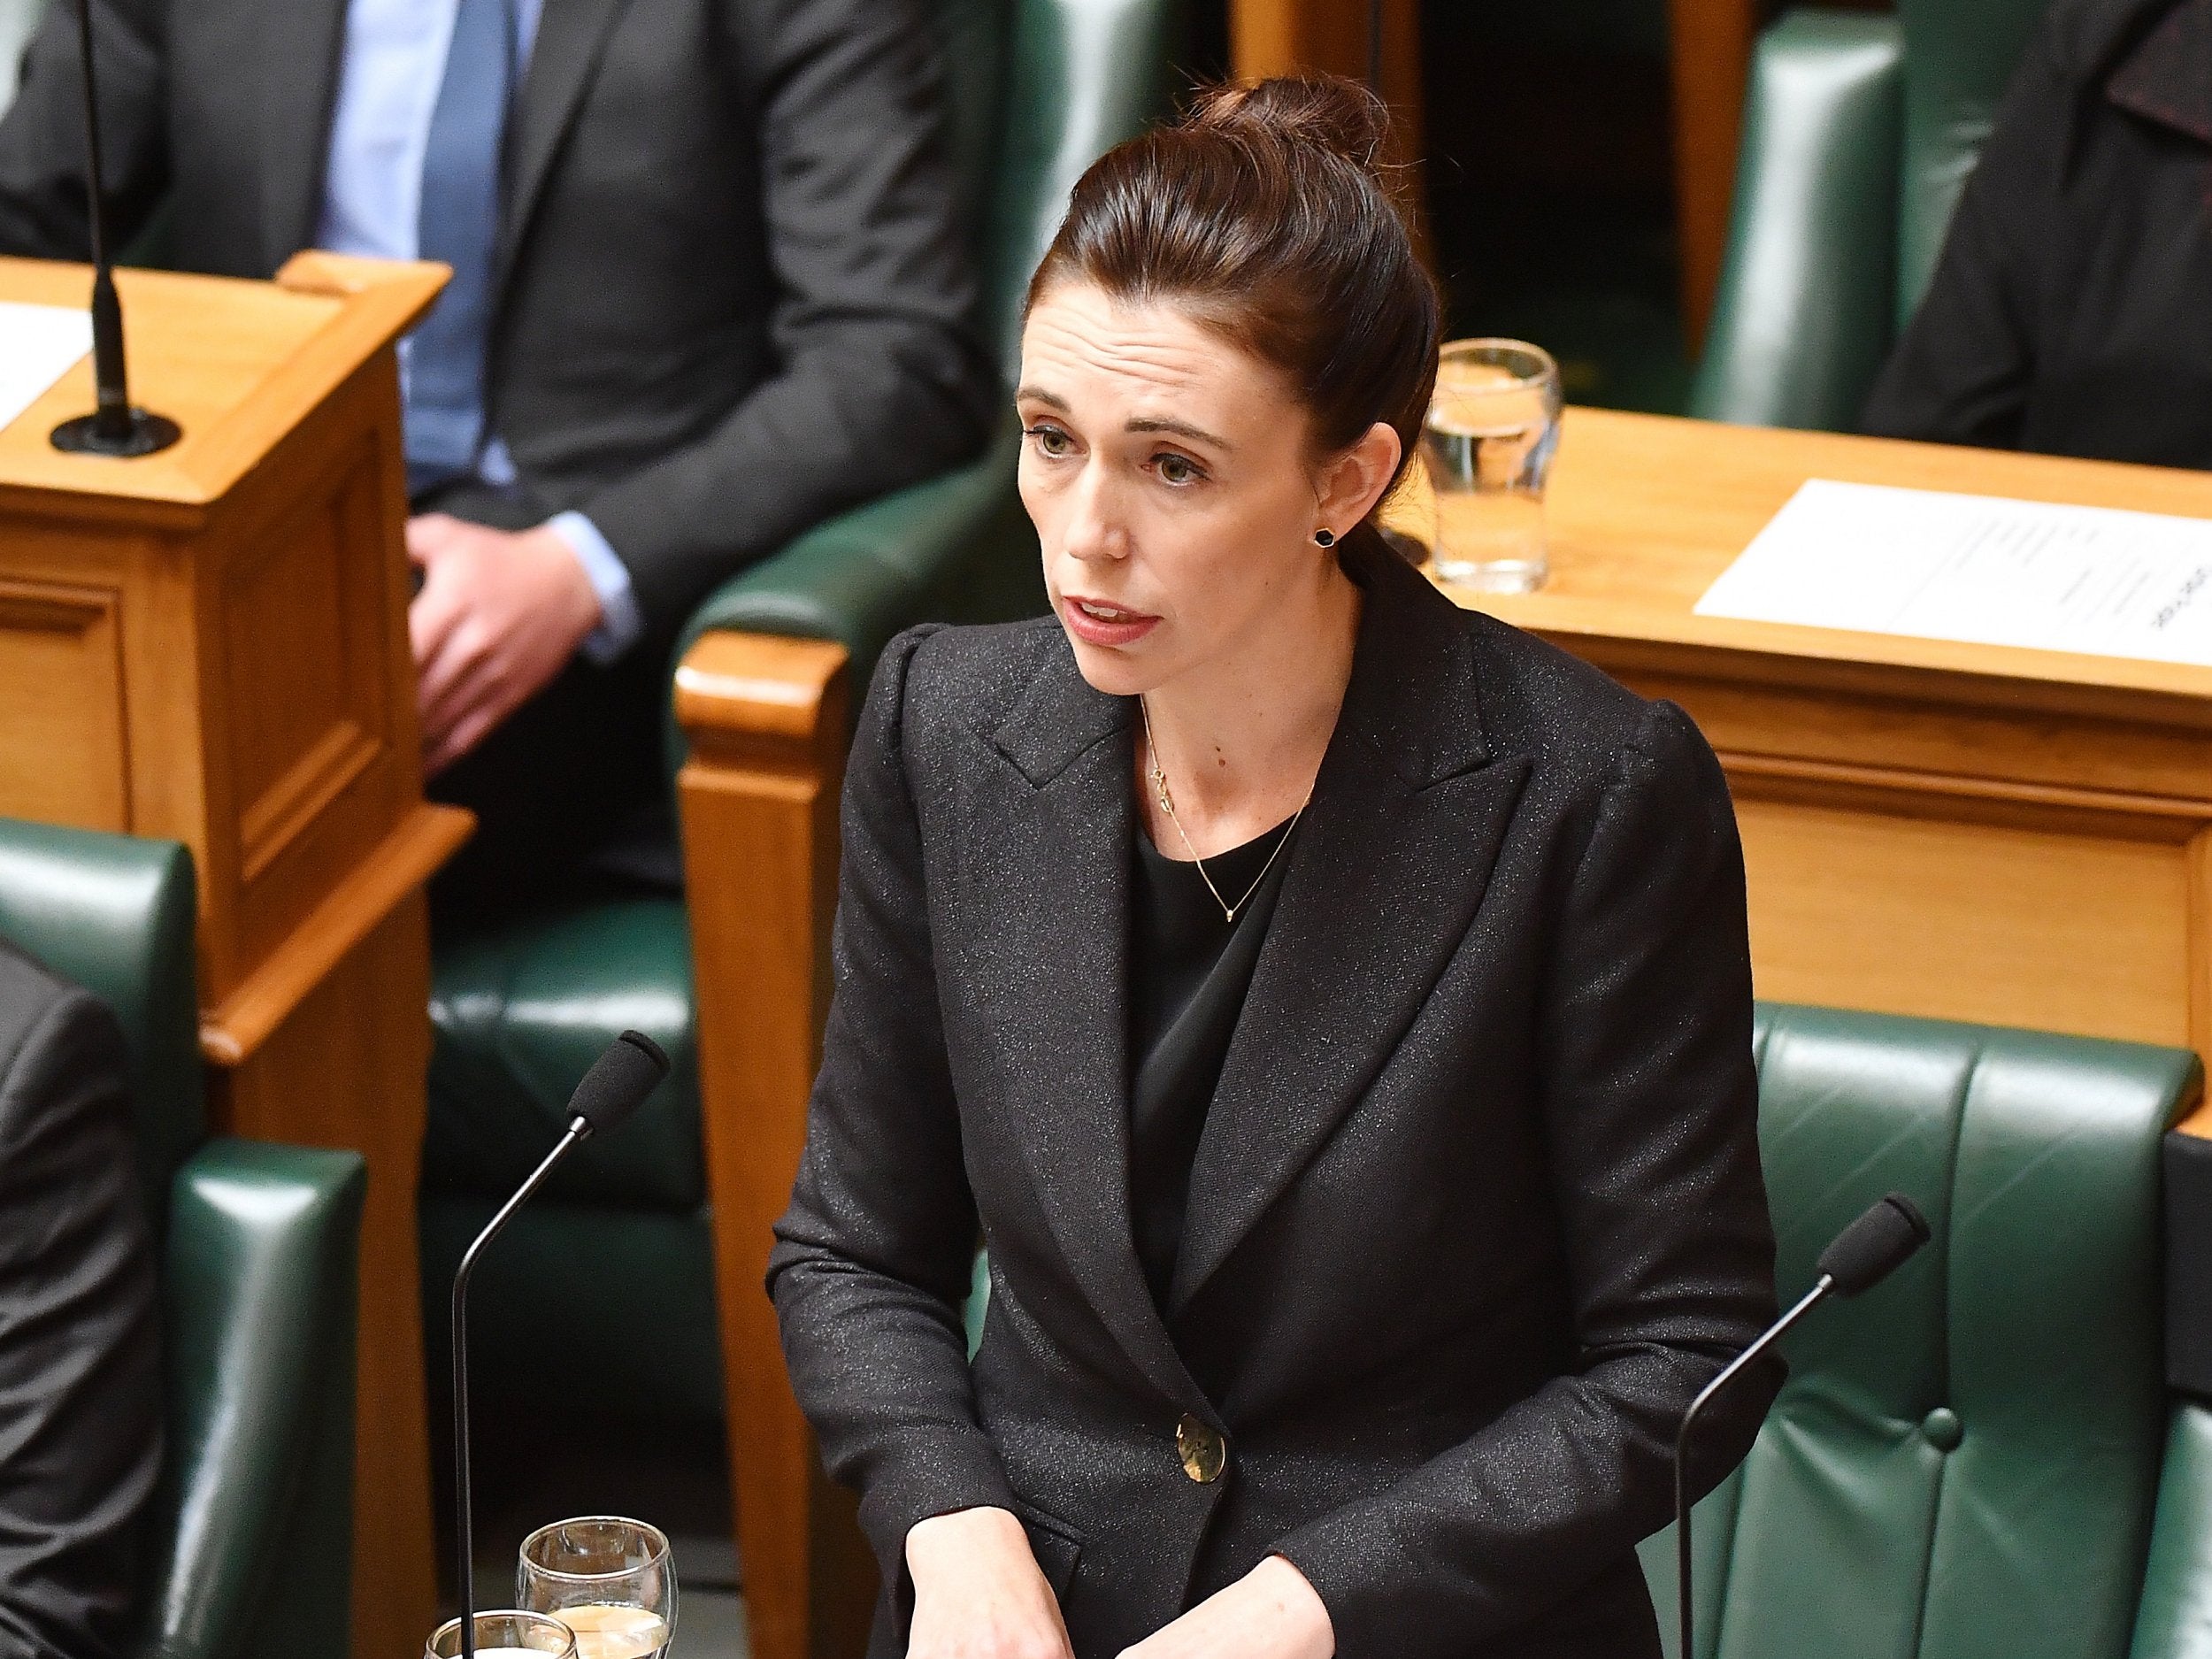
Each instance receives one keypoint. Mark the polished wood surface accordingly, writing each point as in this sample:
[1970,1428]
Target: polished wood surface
[1966,832]
[768,720]
[1708,61]
[1279,37]
[209,645]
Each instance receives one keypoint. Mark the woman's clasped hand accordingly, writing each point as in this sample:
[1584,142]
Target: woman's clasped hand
[979,1594]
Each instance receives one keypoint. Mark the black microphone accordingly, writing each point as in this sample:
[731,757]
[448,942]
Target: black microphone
[1860,1257]
[616,1086]
[114,427]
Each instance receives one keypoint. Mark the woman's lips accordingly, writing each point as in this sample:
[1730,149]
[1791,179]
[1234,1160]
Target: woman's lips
[1095,622]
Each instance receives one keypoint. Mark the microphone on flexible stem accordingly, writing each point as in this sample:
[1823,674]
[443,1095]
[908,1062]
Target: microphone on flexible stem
[1860,1257]
[114,427]
[616,1086]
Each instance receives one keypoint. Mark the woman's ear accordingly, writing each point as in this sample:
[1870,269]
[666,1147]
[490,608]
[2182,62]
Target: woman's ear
[1349,485]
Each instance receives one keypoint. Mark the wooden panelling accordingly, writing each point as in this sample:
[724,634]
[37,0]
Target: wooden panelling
[235,1029]
[1856,909]
[344,1069]
[1709,57]
[305,684]
[1276,37]
[301,656]
[61,670]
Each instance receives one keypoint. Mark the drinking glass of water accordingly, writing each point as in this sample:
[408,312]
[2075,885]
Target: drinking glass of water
[1493,425]
[609,1581]
[507,1631]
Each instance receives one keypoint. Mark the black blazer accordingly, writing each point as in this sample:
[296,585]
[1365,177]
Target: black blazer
[733,287]
[1479,1205]
[80,1404]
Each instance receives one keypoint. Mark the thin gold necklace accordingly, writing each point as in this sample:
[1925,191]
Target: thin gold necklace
[1157,776]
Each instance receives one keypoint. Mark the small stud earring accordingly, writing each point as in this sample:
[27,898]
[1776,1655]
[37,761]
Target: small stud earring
[1324,537]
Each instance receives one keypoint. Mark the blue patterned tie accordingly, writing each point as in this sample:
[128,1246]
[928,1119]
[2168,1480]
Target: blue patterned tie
[459,225]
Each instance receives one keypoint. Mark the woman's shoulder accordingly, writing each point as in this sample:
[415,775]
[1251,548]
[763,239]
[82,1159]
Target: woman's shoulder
[1530,697]
[1577,725]
[940,677]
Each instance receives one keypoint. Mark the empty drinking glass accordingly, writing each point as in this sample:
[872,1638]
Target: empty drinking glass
[1492,427]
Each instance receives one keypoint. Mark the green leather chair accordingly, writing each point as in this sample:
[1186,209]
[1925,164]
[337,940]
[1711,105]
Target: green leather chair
[1040,88]
[19,21]
[1859,132]
[259,1246]
[1980,1458]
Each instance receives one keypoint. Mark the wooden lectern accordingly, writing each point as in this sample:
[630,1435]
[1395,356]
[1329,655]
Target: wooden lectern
[210,644]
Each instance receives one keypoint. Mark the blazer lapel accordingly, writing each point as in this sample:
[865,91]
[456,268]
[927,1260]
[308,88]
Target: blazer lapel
[1408,813]
[302,42]
[1055,984]
[572,34]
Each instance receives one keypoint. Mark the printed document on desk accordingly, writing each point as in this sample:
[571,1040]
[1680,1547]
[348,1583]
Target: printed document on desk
[38,344]
[1981,569]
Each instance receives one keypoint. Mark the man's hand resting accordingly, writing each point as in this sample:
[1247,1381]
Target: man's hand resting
[978,1594]
[500,613]
[1269,1613]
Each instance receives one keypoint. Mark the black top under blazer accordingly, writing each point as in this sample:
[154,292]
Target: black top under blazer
[1476,1212]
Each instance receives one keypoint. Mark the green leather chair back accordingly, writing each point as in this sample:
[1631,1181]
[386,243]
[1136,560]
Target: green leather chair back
[1859,132]
[18,21]
[115,914]
[1959,58]
[253,1529]
[1076,70]
[1966,1461]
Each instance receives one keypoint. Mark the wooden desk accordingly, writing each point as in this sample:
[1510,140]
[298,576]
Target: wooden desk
[1966,832]
[209,645]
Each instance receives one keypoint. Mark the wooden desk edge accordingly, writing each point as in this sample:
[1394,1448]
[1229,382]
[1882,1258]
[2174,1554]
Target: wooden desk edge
[406,858]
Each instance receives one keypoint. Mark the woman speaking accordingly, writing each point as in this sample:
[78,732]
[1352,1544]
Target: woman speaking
[1332,1009]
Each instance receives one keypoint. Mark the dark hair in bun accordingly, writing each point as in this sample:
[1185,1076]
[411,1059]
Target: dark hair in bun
[1264,214]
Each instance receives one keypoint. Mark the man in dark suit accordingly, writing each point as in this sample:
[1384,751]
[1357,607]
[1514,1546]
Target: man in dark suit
[2068,314]
[710,286]
[79,1356]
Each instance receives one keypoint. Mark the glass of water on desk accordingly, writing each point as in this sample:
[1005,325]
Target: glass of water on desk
[611,1581]
[1492,427]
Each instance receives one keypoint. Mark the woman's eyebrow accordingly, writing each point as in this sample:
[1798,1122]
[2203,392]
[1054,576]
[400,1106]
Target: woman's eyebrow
[1181,429]
[1037,394]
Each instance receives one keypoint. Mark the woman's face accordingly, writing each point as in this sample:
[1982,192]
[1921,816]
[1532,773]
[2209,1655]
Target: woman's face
[1169,476]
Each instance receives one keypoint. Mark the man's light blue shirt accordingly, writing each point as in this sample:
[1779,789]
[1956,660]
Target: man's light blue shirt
[387,87]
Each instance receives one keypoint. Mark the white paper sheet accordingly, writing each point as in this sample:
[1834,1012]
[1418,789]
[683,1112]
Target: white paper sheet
[1978,568]
[37,344]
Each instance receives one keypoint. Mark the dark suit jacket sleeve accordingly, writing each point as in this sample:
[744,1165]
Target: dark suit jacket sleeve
[1650,1109]
[873,1262]
[80,1360]
[1961,372]
[880,383]
[41,135]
